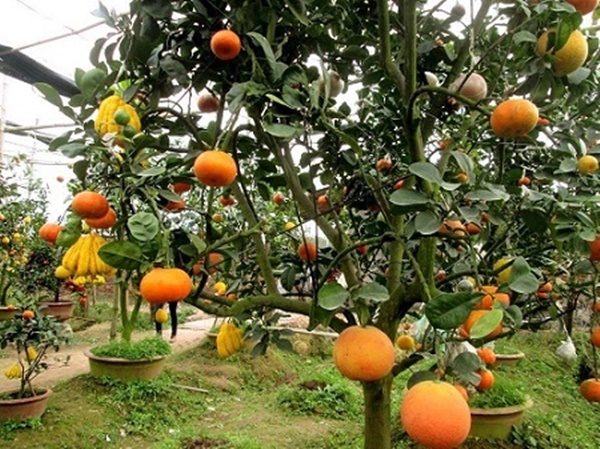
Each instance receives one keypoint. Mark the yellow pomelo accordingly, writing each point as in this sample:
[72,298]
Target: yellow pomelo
[570,57]
[587,164]
[161,316]
[504,275]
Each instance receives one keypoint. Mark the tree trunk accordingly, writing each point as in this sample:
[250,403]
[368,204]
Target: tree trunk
[377,396]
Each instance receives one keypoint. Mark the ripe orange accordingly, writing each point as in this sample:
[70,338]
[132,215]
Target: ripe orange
[399,184]
[596,337]
[473,317]
[436,415]
[362,249]
[487,355]
[463,178]
[175,206]
[596,307]
[162,285]
[215,168]
[514,118]
[472,229]
[28,315]
[208,103]
[60,178]
[454,227]
[363,353]
[487,380]
[504,298]
[228,200]
[49,232]
[322,201]
[595,249]
[278,198]
[383,165]
[547,287]
[307,251]
[88,204]
[463,391]
[214,260]
[106,222]
[405,342]
[486,303]
[590,389]
[444,144]
[180,187]
[584,6]
[524,181]
[225,45]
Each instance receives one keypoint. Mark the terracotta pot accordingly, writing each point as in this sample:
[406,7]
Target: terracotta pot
[508,359]
[7,314]
[61,310]
[124,369]
[26,408]
[496,422]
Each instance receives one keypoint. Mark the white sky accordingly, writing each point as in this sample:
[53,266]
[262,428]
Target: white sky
[24,22]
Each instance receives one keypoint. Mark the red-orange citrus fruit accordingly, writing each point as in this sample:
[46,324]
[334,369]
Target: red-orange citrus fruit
[436,415]
[307,251]
[106,222]
[514,118]
[363,353]
[88,204]
[162,285]
[215,168]
[49,232]
[225,45]
[590,389]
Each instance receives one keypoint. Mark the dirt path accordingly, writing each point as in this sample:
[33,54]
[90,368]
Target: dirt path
[70,361]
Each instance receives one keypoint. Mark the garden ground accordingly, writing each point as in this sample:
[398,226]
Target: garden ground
[279,401]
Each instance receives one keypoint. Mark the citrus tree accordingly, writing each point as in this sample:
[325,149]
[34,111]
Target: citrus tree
[445,156]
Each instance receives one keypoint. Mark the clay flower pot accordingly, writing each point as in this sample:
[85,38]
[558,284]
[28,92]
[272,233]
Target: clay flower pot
[25,408]
[7,313]
[61,310]
[497,422]
[509,359]
[126,370]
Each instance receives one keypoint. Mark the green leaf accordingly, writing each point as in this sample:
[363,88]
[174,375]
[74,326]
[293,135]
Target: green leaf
[288,277]
[80,169]
[50,94]
[464,162]
[420,376]
[524,36]
[521,279]
[373,292]
[266,47]
[121,255]
[485,325]
[515,316]
[408,197]
[175,70]
[143,226]
[73,149]
[332,296]
[427,223]
[427,171]
[299,10]
[159,9]
[465,362]
[68,237]
[152,171]
[487,195]
[282,131]
[450,310]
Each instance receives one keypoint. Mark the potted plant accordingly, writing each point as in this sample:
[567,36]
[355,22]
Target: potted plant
[496,410]
[32,334]
[508,355]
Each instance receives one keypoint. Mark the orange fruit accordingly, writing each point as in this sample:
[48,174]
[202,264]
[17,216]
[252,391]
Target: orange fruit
[489,289]
[547,287]
[180,187]
[28,315]
[472,229]
[596,337]
[463,391]
[436,415]
[504,298]
[473,317]
[175,206]
[215,168]
[383,165]
[590,389]
[307,251]
[487,380]
[486,303]
[162,285]
[487,355]
[399,184]
[595,249]
[524,181]
[584,6]
[322,201]
[278,198]
[60,178]
[596,307]
[454,227]
[514,118]
[208,103]
[88,204]
[363,353]
[405,342]
[463,178]
[228,200]
[49,232]
[225,45]
[106,222]
[214,260]
[362,249]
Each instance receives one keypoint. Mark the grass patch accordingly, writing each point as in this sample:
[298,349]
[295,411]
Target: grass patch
[134,350]
[505,393]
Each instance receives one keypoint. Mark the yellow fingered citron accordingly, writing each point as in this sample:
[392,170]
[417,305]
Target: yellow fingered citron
[229,339]
[82,260]
[14,371]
